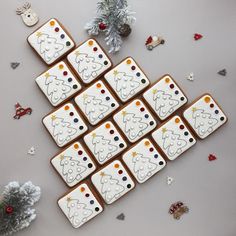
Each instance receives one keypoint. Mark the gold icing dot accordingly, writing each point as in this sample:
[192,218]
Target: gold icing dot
[207,99]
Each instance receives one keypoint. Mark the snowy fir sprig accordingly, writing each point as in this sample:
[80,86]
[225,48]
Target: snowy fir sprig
[112,16]
[16,203]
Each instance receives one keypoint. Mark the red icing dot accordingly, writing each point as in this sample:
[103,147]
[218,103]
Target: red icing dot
[102,91]
[151,149]
[120,172]
[56,29]
[172,86]
[80,152]
[142,109]
[181,126]
[87,195]
[95,49]
[211,105]
[65,73]
[133,67]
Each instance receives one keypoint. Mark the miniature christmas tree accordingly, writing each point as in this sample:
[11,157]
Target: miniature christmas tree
[49,46]
[203,122]
[110,187]
[143,166]
[94,109]
[125,84]
[16,203]
[103,147]
[164,103]
[78,213]
[114,19]
[71,168]
[133,125]
[87,66]
[56,88]
[62,130]
[172,142]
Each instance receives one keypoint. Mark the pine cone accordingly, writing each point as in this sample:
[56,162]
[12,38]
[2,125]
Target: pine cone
[124,30]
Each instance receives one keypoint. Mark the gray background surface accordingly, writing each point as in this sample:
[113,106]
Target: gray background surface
[208,188]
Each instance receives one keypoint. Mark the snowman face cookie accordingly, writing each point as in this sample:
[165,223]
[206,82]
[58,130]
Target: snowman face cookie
[89,61]
[165,97]
[135,120]
[80,205]
[58,84]
[204,116]
[73,164]
[127,79]
[174,138]
[144,160]
[96,103]
[51,41]
[64,124]
[105,142]
[112,182]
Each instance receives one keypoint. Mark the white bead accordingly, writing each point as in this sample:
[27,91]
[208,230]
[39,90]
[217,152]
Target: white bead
[70,171]
[72,164]
[210,122]
[132,85]
[72,205]
[128,119]
[92,110]
[57,123]
[149,167]
[162,104]
[85,213]
[60,139]
[171,143]
[108,189]
[171,151]
[179,143]
[141,167]
[78,169]
[71,178]
[134,121]
[101,108]
[56,47]
[57,83]
[124,86]
[64,89]
[94,66]
[76,213]
[63,125]
[105,181]
[87,60]
[47,48]
[203,116]
[101,150]
[95,103]
[140,126]
[66,162]
[56,97]
[55,89]
[201,123]
[125,93]
[117,188]
[110,148]
[69,131]
[171,103]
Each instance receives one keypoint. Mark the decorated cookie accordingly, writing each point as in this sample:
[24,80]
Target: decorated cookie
[144,160]
[96,102]
[80,205]
[127,79]
[173,137]
[89,61]
[51,41]
[105,142]
[58,83]
[204,116]
[73,164]
[112,182]
[165,97]
[135,120]
[65,124]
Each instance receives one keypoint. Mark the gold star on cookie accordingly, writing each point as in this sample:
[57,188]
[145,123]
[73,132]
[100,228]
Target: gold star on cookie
[164,130]
[154,91]
[134,154]
[53,117]
[38,34]
[46,75]
[93,135]
[62,157]
[194,109]
[77,53]
[85,96]
[68,199]
[123,113]
[115,72]
[102,173]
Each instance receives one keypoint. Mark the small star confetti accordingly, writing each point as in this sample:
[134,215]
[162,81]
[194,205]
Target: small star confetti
[222,72]
[14,65]
[190,77]
[31,151]
[170,180]
[212,157]
[121,216]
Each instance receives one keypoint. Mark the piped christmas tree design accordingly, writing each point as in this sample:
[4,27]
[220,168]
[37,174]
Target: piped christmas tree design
[71,168]
[164,103]
[203,121]
[125,84]
[110,187]
[62,130]
[103,148]
[143,166]
[78,212]
[134,126]
[94,108]
[56,88]
[49,47]
[172,142]
[87,66]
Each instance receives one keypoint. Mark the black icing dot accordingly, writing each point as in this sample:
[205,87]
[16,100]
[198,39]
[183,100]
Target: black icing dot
[68,43]
[161,163]
[182,98]
[186,133]
[138,74]
[143,81]
[146,116]
[87,195]
[92,202]
[113,104]
[191,140]
[69,79]
[107,98]
[81,127]
[151,123]
[84,158]
[90,165]
[105,63]
[156,155]
[128,185]
[176,92]
[124,178]
[75,86]
[71,113]
[100,56]
[116,138]
[76,120]
[62,36]
[216,111]
[222,118]
[112,131]
[121,145]
[96,208]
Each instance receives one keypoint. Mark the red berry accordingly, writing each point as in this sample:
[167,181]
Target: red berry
[9,209]
[102,26]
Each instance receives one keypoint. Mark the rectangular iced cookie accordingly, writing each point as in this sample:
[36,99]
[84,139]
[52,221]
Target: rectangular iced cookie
[89,61]
[51,41]
[65,124]
[73,164]
[144,160]
[135,120]
[127,79]
[105,142]
[58,83]
[204,116]
[96,102]
[80,205]
[165,97]
[173,137]
[112,181]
